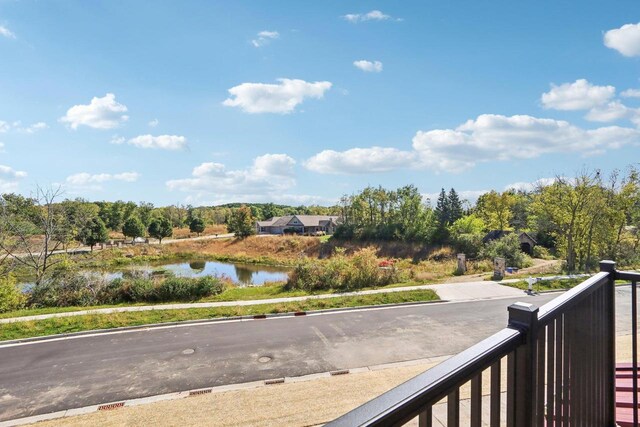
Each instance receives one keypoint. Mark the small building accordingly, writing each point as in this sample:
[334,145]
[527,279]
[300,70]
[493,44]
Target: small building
[526,241]
[298,224]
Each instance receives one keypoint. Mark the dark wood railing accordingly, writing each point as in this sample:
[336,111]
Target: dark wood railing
[559,360]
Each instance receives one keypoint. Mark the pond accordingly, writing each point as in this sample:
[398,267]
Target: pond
[240,274]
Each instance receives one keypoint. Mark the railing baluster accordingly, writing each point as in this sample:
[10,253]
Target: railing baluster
[551,342]
[559,407]
[539,388]
[453,408]
[634,349]
[476,400]
[495,395]
[511,386]
[425,418]
[566,372]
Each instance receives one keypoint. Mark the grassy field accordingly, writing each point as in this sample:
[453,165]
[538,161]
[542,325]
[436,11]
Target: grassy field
[103,321]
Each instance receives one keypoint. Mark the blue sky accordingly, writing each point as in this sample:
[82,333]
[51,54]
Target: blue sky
[299,102]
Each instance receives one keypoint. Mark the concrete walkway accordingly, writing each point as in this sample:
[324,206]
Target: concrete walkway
[463,291]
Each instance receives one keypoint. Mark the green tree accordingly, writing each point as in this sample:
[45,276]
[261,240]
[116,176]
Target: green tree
[455,207]
[93,232]
[196,225]
[160,228]
[495,209]
[133,228]
[241,222]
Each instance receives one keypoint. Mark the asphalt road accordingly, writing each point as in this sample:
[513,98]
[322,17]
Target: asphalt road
[50,376]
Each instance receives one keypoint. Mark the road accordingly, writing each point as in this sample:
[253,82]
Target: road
[50,376]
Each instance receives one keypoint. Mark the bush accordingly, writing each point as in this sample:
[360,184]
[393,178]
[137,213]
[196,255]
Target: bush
[11,297]
[468,244]
[541,252]
[507,247]
[67,287]
[340,272]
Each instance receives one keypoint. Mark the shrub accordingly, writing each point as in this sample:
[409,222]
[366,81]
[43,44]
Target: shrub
[11,297]
[67,287]
[541,252]
[469,244]
[507,247]
[340,272]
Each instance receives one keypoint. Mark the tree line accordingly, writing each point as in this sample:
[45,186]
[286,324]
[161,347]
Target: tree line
[582,219]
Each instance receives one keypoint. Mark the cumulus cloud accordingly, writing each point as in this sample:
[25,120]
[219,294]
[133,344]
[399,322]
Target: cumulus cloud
[374,15]
[265,37]
[610,112]
[84,180]
[631,93]
[579,95]
[489,137]
[9,178]
[496,137]
[162,142]
[4,126]
[625,39]
[270,175]
[360,160]
[5,32]
[279,98]
[100,113]
[368,66]
[153,123]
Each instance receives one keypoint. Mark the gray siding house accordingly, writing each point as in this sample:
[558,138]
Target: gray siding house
[298,224]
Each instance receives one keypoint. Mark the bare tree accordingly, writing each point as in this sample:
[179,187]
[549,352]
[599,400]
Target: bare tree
[28,232]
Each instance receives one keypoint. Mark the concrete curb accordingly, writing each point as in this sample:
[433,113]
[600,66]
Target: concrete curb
[274,382]
[80,334]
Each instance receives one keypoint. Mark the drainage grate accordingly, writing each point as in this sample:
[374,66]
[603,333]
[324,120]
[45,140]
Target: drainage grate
[300,313]
[260,316]
[199,392]
[340,372]
[110,406]
[274,381]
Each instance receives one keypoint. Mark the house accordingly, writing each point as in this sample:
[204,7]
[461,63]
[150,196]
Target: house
[526,241]
[298,224]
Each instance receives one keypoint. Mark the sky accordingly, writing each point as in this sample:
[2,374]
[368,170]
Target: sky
[210,102]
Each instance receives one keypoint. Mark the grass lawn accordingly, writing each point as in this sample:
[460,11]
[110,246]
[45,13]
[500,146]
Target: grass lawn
[548,285]
[103,321]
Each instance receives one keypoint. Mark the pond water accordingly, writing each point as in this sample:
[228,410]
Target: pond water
[241,274]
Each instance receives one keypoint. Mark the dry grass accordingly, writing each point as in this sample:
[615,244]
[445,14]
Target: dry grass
[183,233]
[281,248]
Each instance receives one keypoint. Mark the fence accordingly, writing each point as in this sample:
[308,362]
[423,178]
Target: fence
[551,366]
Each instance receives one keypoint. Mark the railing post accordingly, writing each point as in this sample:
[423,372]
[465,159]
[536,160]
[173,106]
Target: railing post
[610,381]
[524,317]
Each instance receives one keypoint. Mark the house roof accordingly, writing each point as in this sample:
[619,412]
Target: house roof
[305,220]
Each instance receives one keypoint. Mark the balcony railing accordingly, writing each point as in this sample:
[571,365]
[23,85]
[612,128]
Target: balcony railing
[551,366]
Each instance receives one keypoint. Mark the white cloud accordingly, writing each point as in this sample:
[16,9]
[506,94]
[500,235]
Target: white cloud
[163,142]
[5,32]
[270,175]
[153,123]
[265,37]
[488,138]
[579,95]
[495,137]
[101,113]
[9,178]
[631,93]
[530,186]
[610,112]
[374,15]
[625,39]
[368,66]
[84,180]
[17,126]
[279,98]
[360,160]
